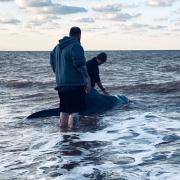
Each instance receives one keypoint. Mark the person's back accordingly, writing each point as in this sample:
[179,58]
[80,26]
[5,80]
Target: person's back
[68,63]
[93,70]
[68,55]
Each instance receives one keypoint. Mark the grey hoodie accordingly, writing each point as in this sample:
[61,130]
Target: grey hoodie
[68,63]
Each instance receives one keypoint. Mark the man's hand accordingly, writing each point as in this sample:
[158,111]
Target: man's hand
[104,91]
[88,85]
[102,88]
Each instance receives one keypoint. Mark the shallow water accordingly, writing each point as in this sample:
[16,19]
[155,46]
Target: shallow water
[140,141]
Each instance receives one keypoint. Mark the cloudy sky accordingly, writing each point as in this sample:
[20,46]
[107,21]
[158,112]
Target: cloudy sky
[105,24]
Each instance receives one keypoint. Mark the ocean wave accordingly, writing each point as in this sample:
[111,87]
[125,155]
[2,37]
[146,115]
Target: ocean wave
[170,68]
[166,87]
[24,83]
[39,94]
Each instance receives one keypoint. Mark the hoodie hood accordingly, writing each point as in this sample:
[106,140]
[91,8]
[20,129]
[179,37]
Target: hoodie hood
[66,41]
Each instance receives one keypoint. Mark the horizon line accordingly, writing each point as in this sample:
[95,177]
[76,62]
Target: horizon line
[94,50]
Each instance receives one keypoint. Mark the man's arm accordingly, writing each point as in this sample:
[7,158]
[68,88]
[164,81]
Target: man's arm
[52,59]
[80,63]
[98,80]
[79,60]
[101,87]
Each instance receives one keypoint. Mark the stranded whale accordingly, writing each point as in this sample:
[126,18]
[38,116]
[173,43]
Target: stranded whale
[96,103]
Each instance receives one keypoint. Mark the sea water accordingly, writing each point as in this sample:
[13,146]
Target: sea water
[139,141]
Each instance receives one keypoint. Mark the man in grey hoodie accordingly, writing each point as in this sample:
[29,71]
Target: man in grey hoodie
[69,65]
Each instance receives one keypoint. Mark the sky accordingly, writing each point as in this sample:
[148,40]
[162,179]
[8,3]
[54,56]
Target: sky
[106,24]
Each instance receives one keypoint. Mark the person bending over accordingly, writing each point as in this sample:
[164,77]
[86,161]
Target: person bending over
[69,65]
[93,70]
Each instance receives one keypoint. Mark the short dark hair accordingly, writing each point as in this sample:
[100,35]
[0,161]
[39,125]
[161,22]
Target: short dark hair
[75,31]
[102,56]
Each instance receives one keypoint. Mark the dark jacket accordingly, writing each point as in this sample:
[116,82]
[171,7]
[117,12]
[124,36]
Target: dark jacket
[68,63]
[93,71]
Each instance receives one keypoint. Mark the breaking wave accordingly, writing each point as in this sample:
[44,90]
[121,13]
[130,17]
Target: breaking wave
[167,87]
[24,83]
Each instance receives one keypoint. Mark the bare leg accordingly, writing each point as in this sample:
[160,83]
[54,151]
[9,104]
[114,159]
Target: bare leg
[64,119]
[73,118]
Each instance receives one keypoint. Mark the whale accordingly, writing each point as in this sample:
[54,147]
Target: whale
[96,103]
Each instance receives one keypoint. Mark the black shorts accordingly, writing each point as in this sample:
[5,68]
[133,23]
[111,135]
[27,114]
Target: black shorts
[72,101]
